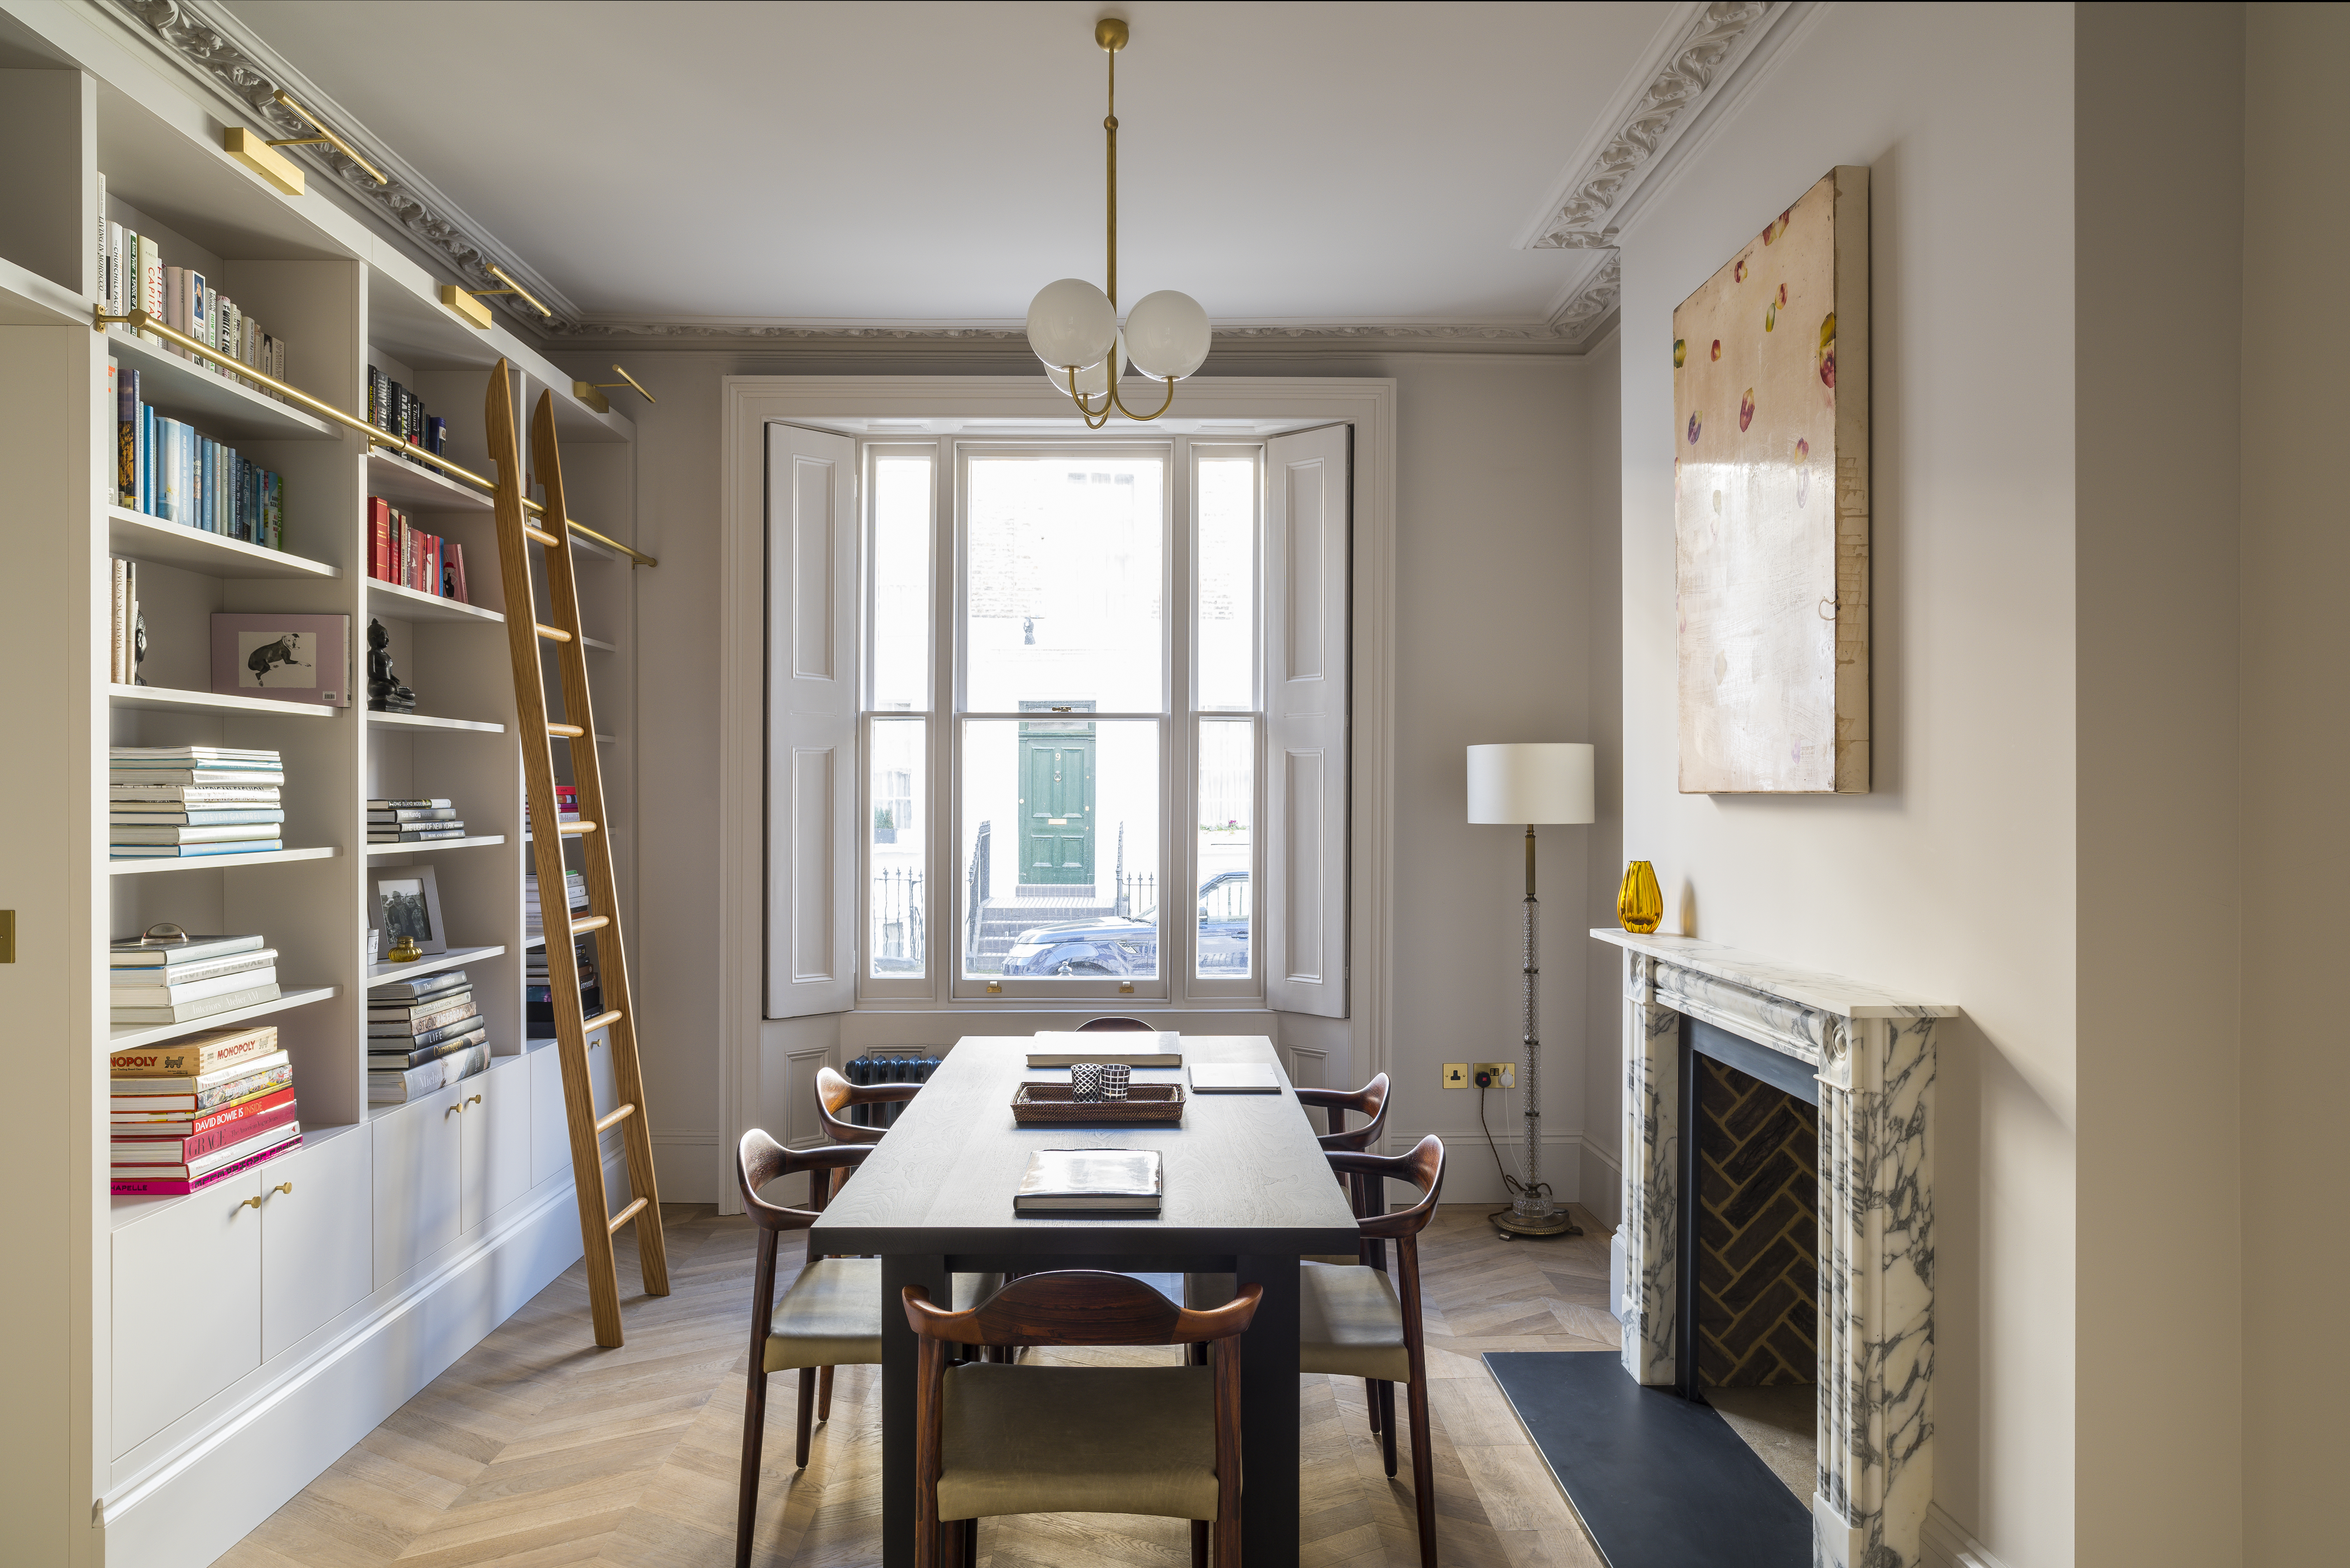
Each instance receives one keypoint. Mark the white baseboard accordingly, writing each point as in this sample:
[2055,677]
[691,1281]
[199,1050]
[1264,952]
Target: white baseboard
[1471,1176]
[687,1167]
[1945,1543]
[1603,1181]
[206,1499]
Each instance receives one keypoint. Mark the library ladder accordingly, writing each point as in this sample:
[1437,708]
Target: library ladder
[525,632]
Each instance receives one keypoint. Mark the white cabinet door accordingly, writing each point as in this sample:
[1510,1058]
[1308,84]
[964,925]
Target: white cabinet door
[316,1238]
[505,1115]
[550,1132]
[187,1307]
[414,1180]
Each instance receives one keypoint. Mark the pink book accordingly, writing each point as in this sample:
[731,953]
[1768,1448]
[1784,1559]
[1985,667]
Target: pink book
[148,1187]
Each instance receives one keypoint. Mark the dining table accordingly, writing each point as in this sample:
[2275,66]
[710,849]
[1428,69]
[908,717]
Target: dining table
[1246,1190]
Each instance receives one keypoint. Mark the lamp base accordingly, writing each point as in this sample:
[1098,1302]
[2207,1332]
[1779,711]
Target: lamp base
[1546,1221]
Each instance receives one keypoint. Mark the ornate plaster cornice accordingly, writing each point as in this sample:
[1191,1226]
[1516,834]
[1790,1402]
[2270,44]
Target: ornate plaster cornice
[233,64]
[1691,70]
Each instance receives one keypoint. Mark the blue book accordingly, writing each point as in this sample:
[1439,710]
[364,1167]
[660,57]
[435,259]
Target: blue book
[146,459]
[190,851]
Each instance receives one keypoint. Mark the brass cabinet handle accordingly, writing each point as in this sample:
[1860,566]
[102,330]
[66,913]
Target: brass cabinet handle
[248,1203]
[448,1111]
[475,1101]
[281,1186]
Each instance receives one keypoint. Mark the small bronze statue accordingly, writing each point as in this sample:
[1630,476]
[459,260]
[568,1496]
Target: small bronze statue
[385,693]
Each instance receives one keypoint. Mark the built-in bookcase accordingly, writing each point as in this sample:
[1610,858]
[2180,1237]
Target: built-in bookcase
[219,1349]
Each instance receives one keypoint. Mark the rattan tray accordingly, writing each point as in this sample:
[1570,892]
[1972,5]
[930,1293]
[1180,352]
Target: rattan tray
[1056,1105]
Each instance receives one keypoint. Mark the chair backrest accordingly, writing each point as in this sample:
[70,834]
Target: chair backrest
[1423,1167]
[1371,1100]
[835,1094]
[1092,1024]
[1079,1306]
[760,1159]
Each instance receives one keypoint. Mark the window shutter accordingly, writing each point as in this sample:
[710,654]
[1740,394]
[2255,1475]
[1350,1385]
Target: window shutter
[1306,537]
[811,721]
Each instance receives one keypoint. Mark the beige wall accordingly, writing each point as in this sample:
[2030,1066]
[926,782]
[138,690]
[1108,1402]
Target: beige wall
[1498,476]
[1954,878]
[2294,754]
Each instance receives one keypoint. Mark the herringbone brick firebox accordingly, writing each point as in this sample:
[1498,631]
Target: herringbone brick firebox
[1757,1231]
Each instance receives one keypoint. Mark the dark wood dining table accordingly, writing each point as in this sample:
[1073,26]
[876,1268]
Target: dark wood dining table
[1247,1190]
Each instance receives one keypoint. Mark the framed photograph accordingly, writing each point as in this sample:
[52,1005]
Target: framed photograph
[408,904]
[283,658]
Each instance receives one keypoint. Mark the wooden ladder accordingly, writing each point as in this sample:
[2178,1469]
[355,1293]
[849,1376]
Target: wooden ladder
[525,632]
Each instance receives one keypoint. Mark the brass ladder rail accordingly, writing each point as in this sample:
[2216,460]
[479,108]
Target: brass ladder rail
[525,634]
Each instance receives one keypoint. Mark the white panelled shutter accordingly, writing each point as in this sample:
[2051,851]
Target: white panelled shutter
[1307,531]
[811,721]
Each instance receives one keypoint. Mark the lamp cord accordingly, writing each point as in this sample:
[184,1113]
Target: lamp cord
[1509,1184]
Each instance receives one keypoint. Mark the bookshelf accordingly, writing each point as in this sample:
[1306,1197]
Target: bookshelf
[410,1230]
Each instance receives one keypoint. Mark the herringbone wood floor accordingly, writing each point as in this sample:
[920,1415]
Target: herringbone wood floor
[538,1450]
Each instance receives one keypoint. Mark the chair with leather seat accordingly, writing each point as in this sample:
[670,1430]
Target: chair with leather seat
[1369,1101]
[992,1438]
[830,1316]
[1359,1322]
[835,1095]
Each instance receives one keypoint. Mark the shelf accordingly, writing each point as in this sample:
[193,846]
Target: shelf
[171,699]
[29,299]
[598,643]
[216,862]
[222,409]
[131,1036]
[408,604]
[433,722]
[429,846]
[593,551]
[141,538]
[397,479]
[385,974]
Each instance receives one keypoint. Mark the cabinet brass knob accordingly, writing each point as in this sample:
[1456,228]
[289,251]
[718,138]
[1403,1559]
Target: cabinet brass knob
[281,1186]
[475,1101]
[248,1203]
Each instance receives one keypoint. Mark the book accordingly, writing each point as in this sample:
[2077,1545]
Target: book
[168,796]
[436,1013]
[1091,1180]
[401,1061]
[132,979]
[237,833]
[132,1146]
[417,1040]
[137,952]
[415,1083]
[407,814]
[416,835]
[187,1124]
[1234,1078]
[190,851]
[188,1012]
[199,1055]
[157,777]
[148,1185]
[166,814]
[376,806]
[130,997]
[423,986]
[223,755]
[248,1141]
[202,1093]
[1135,1048]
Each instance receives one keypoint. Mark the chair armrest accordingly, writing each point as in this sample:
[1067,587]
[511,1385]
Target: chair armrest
[883,1094]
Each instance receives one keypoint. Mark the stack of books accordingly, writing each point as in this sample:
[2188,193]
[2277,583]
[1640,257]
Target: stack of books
[538,994]
[177,979]
[566,809]
[197,1111]
[422,1034]
[574,884]
[401,552]
[170,470]
[421,821]
[185,801]
[393,408]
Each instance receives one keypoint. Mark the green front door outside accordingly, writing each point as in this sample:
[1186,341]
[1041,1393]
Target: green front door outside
[1057,803]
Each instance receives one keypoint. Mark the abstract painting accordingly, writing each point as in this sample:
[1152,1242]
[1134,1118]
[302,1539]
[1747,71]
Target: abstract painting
[1771,505]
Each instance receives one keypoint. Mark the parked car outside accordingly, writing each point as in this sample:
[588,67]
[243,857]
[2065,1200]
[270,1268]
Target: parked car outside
[1127,947]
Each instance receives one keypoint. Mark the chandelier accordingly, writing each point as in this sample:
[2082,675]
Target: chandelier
[1074,327]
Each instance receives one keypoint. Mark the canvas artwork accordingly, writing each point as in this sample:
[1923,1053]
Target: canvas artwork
[285,658]
[1771,505]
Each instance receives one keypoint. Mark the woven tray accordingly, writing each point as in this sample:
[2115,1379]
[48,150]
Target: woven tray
[1056,1105]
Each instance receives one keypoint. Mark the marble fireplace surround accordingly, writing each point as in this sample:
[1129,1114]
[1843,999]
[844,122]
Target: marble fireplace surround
[1873,1054]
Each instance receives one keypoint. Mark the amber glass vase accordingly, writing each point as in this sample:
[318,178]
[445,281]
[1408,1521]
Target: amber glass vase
[1640,904]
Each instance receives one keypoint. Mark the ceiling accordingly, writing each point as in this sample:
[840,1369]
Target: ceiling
[834,165]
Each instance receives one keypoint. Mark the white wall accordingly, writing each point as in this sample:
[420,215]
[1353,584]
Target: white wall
[1954,878]
[1497,476]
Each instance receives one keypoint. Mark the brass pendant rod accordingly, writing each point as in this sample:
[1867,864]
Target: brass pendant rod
[1109,125]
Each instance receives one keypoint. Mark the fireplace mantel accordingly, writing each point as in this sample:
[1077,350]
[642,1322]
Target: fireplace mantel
[1872,1051]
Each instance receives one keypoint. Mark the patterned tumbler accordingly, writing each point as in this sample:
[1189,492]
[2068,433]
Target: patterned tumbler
[1085,1081]
[1115,1076]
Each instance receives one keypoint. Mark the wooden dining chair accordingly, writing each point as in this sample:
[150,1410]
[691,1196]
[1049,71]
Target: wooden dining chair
[1093,1025]
[1358,1322]
[834,1095]
[830,1316]
[993,1438]
[1363,1196]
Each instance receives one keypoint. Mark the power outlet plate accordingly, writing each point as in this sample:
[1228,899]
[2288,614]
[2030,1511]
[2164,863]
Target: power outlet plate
[1456,1075]
[1494,1075]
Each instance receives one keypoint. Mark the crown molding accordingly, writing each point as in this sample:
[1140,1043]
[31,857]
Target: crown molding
[1567,331]
[235,67]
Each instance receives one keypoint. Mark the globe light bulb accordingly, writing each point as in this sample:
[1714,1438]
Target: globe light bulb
[1071,322]
[1094,379]
[1167,334]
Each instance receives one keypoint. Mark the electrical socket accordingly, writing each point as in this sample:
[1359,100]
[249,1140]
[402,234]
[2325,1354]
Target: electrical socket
[1495,1074]
[1456,1075]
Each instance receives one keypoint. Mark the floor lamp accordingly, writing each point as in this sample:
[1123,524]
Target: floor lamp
[1531,782]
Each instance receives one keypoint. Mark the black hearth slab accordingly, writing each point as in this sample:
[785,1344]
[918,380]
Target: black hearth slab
[1659,1482]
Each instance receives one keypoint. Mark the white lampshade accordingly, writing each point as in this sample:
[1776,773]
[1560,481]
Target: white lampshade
[1531,782]
[1093,380]
[1167,334]
[1071,322]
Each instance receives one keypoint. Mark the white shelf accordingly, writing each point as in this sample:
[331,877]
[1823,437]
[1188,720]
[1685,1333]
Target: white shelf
[598,643]
[171,699]
[593,551]
[433,722]
[385,974]
[222,409]
[419,487]
[141,538]
[216,862]
[408,604]
[29,299]
[126,1037]
[430,845]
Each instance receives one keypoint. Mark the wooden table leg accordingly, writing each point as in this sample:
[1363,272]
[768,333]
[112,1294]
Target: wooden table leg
[899,1354]
[1270,1446]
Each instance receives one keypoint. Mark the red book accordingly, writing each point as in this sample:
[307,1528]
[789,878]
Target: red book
[195,1146]
[380,532]
[174,1187]
[432,565]
[134,1126]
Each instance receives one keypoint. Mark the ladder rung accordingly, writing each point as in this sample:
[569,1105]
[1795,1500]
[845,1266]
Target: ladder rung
[590,1025]
[551,633]
[571,830]
[589,923]
[539,535]
[555,729]
[619,1113]
[625,1215]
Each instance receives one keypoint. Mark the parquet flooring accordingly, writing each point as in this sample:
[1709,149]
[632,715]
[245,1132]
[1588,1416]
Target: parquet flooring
[535,1449]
